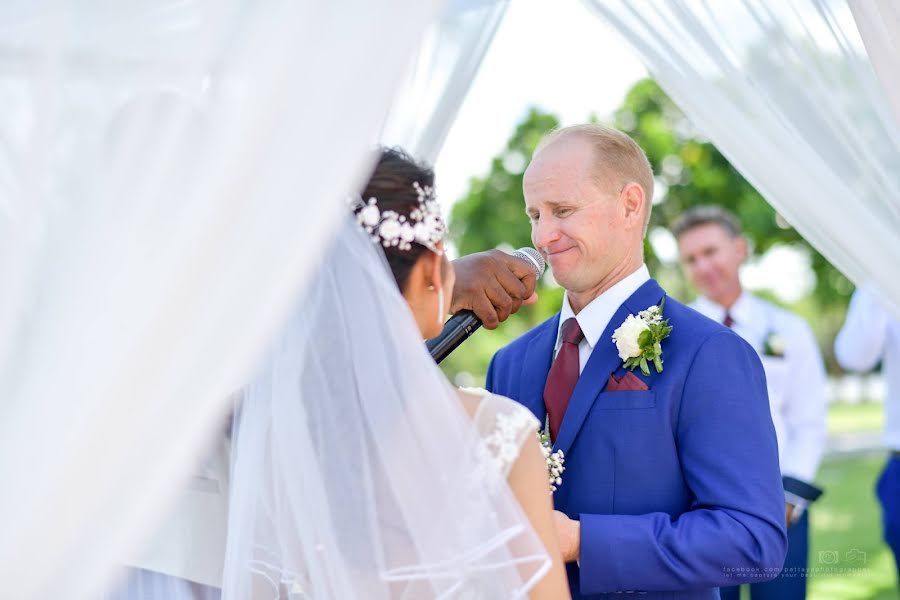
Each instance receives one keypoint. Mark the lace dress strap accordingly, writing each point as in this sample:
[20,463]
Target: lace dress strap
[503,425]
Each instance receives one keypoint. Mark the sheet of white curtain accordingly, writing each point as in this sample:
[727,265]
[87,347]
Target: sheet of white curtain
[878,22]
[424,107]
[435,87]
[169,172]
[785,90]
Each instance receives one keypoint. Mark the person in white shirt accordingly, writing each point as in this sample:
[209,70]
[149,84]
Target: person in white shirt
[870,335]
[711,249]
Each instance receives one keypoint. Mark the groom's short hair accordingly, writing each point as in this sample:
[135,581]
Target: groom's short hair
[619,158]
[706,214]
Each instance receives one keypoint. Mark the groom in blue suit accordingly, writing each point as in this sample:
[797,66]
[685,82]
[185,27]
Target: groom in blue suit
[672,485]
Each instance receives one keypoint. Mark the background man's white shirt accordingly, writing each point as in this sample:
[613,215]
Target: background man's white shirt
[594,317]
[189,544]
[797,382]
[870,334]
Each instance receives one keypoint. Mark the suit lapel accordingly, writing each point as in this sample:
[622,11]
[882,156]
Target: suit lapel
[538,358]
[603,361]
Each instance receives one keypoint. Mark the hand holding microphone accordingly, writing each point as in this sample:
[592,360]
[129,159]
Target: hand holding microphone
[490,286]
[494,284]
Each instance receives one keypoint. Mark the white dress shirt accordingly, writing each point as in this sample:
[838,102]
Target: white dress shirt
[797,383]
[594,317]
[870,334]
[189,545]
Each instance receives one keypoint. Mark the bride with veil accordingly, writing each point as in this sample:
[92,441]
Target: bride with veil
[357,472]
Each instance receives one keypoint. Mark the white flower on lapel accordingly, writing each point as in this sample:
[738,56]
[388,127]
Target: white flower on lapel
[773,345]
[626,337]
[639,338]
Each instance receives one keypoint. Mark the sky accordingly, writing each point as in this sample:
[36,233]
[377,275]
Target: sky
[560,57]
[554,55]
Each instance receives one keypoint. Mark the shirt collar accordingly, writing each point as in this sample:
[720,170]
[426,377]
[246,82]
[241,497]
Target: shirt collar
[594,317]
[742,311]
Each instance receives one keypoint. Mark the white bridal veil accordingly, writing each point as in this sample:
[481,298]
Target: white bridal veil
[356,470]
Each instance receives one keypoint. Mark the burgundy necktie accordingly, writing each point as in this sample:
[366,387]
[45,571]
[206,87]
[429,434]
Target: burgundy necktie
[728,321]
[563,376]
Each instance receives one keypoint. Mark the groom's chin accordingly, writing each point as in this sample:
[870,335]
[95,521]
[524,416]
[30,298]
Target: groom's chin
[564,271]
[568,278]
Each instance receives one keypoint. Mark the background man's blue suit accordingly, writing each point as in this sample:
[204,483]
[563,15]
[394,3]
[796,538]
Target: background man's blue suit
[678,489]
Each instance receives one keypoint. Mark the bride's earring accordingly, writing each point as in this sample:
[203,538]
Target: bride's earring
[441,313]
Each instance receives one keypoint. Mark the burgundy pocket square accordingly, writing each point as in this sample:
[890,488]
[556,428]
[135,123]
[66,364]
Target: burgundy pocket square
[626,383]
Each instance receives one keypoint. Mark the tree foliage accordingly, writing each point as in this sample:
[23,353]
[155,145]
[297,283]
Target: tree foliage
[493,211]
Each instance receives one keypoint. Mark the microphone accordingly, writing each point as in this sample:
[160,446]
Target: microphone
[464,323]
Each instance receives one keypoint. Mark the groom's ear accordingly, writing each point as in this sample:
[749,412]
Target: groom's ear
[634,201]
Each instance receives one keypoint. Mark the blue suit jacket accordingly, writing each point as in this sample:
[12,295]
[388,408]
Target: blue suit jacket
[678,488]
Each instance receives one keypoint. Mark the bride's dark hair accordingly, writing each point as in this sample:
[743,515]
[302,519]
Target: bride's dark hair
[391,184]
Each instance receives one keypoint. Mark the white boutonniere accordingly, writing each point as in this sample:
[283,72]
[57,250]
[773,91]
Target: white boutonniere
[773,345]
[639,338]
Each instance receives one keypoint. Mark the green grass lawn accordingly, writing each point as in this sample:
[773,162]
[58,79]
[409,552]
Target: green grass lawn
[845,519]
[853,418]
[848,518]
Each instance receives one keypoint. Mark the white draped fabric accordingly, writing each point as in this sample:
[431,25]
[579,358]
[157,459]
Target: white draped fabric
[169,172]
[878,22]
[436,85]
[188,542]
[785,90]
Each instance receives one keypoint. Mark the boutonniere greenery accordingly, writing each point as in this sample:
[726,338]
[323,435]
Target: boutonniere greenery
[773,345]
[639,338]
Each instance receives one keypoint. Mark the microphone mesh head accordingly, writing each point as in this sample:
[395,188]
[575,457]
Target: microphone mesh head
[533,257]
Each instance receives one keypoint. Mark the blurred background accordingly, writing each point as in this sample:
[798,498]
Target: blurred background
[531,83]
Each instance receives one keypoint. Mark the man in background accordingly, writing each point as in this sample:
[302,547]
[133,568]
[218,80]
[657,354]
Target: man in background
[711,249]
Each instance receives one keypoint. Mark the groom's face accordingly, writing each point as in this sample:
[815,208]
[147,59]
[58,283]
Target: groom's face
[576,220]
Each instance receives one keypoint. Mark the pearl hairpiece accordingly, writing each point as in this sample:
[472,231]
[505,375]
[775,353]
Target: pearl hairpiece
[389,228]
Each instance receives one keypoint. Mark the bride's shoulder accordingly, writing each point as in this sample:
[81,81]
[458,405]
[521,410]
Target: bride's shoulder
[489,409]
[503,425]
[471,398]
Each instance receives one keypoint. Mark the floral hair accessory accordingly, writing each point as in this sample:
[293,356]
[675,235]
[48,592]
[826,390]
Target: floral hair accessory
[424,225]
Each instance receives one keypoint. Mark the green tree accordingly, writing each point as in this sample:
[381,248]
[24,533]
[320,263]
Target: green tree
[493,210]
